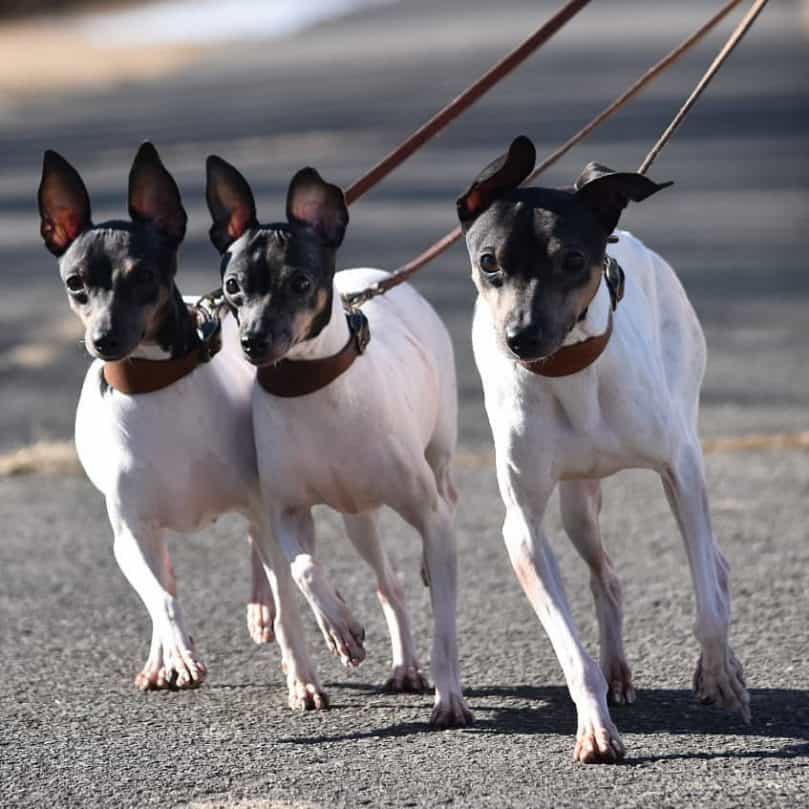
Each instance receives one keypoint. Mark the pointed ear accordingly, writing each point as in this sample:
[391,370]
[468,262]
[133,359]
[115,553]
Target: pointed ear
[230,202]
[153,195]
[607,192]
[64,205]
[497,179]
[314,202]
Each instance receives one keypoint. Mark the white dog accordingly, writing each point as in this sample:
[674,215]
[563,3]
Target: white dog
[574,393]
[339,422]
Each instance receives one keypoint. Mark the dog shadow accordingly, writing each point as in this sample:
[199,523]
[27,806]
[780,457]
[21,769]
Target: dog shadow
[781,714]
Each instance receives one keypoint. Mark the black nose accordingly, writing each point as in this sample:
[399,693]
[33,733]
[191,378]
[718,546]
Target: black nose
[106,344]
[524,342]
[253,346]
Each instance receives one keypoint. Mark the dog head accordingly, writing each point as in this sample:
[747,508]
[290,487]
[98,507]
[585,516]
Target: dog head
[537,253]
[119,275]
[277,278]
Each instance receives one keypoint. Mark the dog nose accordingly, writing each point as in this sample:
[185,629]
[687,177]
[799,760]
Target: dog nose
[252,345]
[524,342]
[106,344]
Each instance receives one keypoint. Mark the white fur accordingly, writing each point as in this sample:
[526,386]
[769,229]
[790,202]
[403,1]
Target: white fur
[636,406]
[383,433]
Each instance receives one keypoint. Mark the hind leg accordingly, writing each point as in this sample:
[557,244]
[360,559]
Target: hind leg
[261,606]
[363,530]
[580,502]
[719,677]
[426,500]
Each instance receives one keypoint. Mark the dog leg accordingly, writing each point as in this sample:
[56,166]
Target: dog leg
[597,738]
[142,557]
[305,690]
[363,530]
[719,677]
[261,607]
[430,509]
[295,530]
[580,502]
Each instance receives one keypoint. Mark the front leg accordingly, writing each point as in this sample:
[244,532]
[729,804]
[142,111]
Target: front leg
[719,677]
[597,738]
[305,690]
[295,533]
[142,557]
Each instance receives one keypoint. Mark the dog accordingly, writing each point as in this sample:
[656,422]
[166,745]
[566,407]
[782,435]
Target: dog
[381,432]
[574,393]
[175,458]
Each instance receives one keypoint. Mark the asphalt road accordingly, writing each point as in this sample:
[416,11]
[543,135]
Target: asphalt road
[74,732]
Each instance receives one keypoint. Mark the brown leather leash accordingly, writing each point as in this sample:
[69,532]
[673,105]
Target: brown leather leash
[406,271]
[459,105]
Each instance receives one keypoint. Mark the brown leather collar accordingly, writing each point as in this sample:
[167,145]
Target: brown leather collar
[290,378]
[136,375]
[572,359]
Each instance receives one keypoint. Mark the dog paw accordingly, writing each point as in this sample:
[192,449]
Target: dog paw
[619,682]
[722,684]
[407,680]
[451,712]
[180,671]
[344,635]
[260,620]
[151,678]
[307,696]
[598,742]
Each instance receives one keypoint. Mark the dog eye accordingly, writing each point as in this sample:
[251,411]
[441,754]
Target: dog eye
[74,283]
[232,286]
[300,284]
[573,261]
[488,263]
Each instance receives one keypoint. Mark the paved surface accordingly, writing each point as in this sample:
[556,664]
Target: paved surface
[74,732]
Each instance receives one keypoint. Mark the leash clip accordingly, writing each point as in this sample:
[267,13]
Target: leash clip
[208,311]
[359,328]
[614,276]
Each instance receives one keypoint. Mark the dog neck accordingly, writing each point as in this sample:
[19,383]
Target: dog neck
[596,317]
[332,337]
[175,336]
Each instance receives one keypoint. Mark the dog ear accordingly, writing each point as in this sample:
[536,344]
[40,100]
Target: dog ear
[230,202]
[64,204]
[607,192]
[153,195]
[314,202]
[498,178]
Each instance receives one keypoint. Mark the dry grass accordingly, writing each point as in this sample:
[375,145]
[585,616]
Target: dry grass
[59,457]
[42,458]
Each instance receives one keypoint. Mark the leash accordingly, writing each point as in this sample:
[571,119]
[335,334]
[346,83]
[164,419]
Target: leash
[459,105]
[741,29]
[406,271]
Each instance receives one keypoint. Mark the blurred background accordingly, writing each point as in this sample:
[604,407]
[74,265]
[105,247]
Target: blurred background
[273,86]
